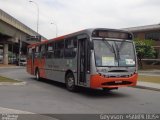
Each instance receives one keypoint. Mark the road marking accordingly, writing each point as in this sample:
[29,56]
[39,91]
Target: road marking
[23,115]
[13,111]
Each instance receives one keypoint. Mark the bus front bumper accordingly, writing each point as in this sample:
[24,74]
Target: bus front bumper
[97,81]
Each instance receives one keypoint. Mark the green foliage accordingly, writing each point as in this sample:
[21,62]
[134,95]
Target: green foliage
[4,79]
[144,50]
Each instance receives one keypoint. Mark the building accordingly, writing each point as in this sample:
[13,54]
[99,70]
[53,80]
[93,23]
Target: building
[148,32]
[151,32]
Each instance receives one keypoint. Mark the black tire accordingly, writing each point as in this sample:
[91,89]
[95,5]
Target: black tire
[37,74]
[70,82]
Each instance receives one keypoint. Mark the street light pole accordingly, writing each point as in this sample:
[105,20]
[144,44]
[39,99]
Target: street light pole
[37,13]
[56,28]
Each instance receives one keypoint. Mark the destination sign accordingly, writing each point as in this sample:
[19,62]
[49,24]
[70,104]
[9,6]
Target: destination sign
[112,34]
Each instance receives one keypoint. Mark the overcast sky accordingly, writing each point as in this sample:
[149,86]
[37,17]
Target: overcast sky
[75,15]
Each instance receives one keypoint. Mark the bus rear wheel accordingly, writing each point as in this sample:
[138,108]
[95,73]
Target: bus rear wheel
[37,74]
[70,82]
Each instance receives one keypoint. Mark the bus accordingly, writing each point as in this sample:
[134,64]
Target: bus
[97,58]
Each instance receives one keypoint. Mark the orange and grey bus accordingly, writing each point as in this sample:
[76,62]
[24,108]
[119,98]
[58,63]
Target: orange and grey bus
[93,58]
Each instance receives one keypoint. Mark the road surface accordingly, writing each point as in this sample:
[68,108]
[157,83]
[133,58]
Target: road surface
[51,97]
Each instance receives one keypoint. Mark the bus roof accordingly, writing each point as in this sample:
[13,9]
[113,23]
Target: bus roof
[87,31]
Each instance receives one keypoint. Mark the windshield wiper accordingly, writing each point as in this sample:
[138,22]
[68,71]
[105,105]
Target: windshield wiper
[118,50]
[108,45]
[121,45]
[111,47]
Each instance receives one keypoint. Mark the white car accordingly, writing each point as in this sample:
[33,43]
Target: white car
[22,62]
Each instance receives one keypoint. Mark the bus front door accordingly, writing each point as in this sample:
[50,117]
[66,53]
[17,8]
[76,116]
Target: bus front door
[82,61]
[32,61]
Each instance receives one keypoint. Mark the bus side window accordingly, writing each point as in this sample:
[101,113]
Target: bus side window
[29,56]
[59,49]
[70,47]
[43,51]
[37,52]
[49,52]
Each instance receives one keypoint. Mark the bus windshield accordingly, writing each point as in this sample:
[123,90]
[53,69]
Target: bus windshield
[114,53]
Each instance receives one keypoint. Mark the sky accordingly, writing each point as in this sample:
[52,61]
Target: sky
[74,15]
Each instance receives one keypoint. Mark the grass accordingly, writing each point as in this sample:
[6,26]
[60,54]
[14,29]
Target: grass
[153,79]
[4,79]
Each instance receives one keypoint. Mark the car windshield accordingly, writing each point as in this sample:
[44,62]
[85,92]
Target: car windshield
[114,53]
[22,60]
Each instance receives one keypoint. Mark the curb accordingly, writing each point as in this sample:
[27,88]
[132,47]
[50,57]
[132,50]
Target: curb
[148,88]
[149,74]
[12,67]
[12,83]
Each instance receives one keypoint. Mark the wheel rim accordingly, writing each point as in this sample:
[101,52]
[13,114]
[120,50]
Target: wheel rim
[37,75]
[70,81]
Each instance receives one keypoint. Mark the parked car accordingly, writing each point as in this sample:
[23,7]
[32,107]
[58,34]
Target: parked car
[22,62]
[1,59]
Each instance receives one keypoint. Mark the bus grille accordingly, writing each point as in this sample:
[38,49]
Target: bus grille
[117,83]
[111,76]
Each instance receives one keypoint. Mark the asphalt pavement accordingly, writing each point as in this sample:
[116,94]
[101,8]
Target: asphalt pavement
[140,84]
[51,97]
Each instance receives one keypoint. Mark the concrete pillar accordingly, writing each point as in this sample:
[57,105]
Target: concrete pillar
[5,54]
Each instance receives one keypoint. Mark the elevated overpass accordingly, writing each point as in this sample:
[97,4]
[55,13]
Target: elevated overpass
[14,35]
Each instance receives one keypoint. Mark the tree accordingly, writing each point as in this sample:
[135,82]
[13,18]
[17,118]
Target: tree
[144,49]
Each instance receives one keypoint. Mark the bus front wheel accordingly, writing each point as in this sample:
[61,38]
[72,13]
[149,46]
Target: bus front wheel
[70,82]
